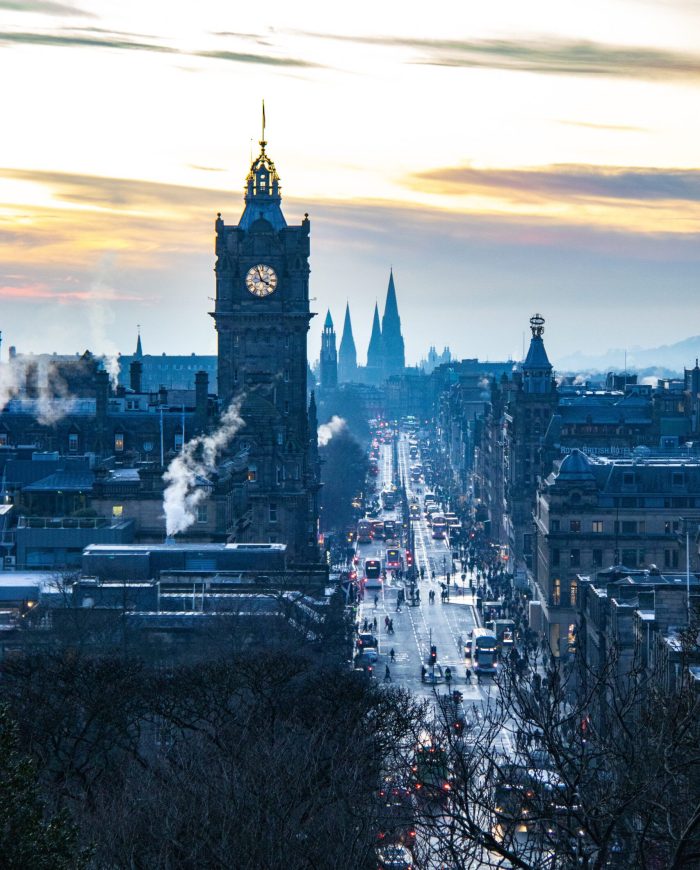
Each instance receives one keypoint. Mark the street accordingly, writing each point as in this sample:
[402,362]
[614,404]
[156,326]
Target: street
[445,625]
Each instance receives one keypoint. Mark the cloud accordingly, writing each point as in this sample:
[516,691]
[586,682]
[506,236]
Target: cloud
[547,55]
[565,180]
[99,38]
[77,41]
[34,292]
[44,7]
[263,59]
[622,128]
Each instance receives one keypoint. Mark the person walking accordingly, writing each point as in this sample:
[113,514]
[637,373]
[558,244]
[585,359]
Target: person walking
[387,674]
[468,675]
[376,601]
[392,654]
[374,623]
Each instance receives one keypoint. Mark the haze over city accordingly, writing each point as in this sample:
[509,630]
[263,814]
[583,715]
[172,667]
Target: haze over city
[503,158]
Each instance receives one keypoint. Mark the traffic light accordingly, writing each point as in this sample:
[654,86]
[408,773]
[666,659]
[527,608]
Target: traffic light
[409,558]
[433,654]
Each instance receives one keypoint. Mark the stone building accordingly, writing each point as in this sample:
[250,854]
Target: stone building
[598,512]
[262,318]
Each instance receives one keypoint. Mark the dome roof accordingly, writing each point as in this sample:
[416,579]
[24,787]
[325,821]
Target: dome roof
[576,466]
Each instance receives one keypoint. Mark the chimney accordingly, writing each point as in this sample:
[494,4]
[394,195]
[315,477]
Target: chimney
[135,374]
[101,396]
[201,391]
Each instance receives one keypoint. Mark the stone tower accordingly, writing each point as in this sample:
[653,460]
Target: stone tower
[347,355]
[375,351]
[262,317]
[329,356]
[394,355]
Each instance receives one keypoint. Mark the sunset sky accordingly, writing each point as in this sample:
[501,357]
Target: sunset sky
[503,157]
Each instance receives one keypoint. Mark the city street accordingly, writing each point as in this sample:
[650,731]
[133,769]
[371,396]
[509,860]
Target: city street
[445,624]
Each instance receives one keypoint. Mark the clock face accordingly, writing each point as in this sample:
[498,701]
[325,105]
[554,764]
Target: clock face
[261,280]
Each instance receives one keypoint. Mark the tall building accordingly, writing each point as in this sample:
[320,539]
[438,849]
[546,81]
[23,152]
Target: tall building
[375,352]
[532,401]
[262,318]
[329,356]
[394,361]
[347,355]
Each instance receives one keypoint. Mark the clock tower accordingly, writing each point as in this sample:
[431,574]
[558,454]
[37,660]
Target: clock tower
[262,318]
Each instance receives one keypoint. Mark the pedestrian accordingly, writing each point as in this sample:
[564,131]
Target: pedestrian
[422,673]
[391,626]
[374,623]
[376,601]
[392,654]
[386,622]
[468,675]
[365,625]
[387,674]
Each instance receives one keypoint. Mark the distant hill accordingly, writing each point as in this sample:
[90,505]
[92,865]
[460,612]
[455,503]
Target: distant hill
[664,361]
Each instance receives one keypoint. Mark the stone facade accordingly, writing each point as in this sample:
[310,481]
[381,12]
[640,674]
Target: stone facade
[262,318]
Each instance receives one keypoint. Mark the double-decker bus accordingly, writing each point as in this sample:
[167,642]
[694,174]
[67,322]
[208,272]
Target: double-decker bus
[393,559]
[430,772]
[439,527]
[484,651]
[373,572]
[388,499]
[365,531]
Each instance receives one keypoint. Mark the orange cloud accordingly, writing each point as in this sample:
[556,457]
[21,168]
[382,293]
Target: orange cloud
[32,292]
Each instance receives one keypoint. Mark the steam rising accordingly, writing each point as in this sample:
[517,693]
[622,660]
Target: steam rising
[327,430]
[198,458]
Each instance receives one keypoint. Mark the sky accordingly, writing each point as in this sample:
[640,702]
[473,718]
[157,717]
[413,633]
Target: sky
[504,158]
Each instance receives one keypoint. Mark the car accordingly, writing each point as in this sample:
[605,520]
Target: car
[394,857]
[366,641]
[396,816]
[433,675]
[368,655]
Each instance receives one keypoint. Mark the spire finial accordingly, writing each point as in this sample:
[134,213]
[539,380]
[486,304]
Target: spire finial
[263,143]
[537,325]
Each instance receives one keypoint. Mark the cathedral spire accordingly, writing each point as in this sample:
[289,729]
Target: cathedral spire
[329,355]
[375,349]
[394,353]
[347,355]
[139,348]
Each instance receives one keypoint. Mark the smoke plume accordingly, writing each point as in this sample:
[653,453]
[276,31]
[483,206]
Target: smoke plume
[327,430]
[197,459]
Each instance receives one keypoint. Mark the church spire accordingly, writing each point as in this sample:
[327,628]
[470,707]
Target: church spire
[394,353]
[329,355]
[375,351]
[139,348]
[347,355]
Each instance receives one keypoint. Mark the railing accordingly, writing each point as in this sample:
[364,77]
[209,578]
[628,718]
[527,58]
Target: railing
[63,522]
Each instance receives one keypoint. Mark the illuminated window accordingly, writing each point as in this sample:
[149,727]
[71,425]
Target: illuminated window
[117,511]
[556,592]
[72,442]
[252,473]
[119,442]
[597,527]
[573,593]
